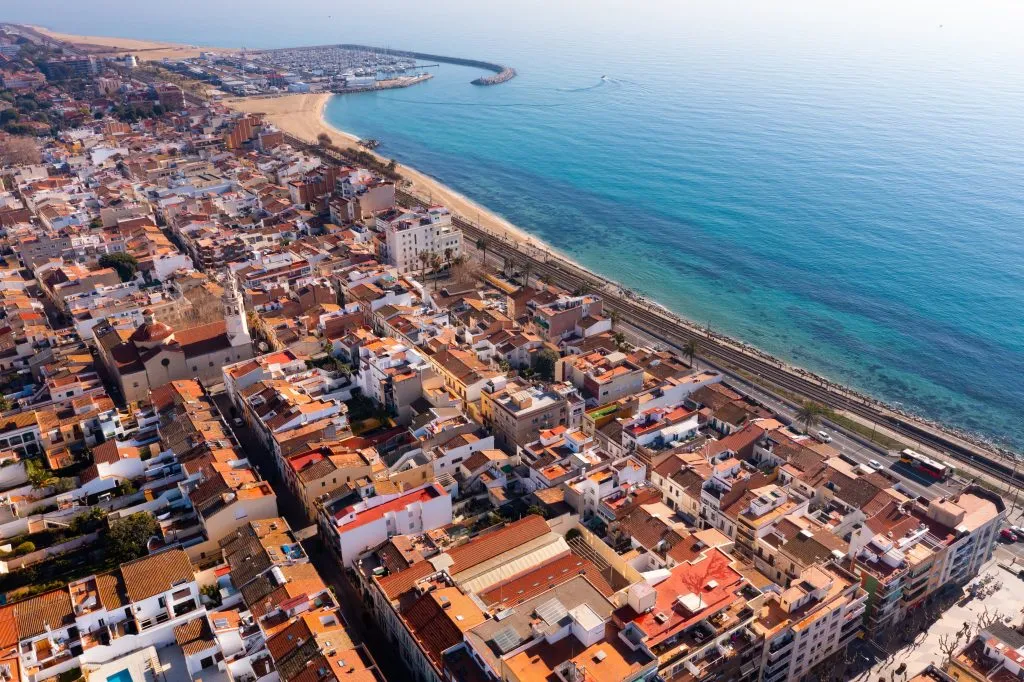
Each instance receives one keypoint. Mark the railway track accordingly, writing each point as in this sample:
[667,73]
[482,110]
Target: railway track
[675,332]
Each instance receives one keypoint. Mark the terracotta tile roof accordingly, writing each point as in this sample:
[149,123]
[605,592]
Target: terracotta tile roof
[481,548]
[203,339]
[286,641]
[529,584]
[194,636]
[111,590]
[263,595]
[156,573]
[51,610]
[8,629]
[434,631]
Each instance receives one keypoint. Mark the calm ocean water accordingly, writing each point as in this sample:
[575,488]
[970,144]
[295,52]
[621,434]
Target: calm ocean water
[839,186]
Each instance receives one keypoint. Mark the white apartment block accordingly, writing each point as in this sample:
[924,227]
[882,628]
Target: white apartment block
[419,231]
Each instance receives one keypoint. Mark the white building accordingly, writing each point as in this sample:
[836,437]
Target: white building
[411,233]
[355,529]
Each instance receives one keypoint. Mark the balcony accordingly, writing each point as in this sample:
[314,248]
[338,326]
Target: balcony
[148,623]
[780,645]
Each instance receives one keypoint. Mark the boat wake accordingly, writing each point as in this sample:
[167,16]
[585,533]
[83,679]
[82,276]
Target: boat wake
[600,83]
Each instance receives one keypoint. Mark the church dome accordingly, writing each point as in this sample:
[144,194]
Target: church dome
[152,332]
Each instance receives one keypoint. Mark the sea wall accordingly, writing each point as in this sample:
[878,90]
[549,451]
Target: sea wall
[502,73]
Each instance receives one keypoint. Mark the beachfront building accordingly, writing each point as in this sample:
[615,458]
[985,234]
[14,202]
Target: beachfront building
[409,234]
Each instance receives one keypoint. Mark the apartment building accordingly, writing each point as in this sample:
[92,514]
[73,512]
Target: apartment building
[819,614]
[698,620]
[409,234]
[99,618]
[907,550]
[351,529]
[601,376]
[515,411]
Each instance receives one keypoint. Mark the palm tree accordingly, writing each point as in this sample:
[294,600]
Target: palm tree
[691,349]
[614,317]
[448,255]
[481,246]
[809,414]
[435,263]
[424,257]
[526,273]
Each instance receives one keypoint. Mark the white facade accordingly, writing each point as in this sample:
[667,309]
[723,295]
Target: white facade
[370,523]
[411,234]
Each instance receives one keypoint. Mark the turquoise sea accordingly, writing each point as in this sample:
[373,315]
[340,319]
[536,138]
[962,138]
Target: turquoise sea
[841,186]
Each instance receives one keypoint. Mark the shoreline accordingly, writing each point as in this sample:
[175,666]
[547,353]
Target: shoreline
[302,115]
[145,50]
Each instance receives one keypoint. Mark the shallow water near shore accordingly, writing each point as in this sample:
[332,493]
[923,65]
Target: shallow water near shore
[841,187]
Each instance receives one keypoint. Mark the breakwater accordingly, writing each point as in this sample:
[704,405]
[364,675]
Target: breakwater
[502,73]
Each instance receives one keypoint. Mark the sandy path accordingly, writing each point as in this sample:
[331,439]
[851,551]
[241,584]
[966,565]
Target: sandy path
[302,116]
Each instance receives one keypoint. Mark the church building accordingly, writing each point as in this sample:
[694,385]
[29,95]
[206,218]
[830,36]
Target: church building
[154,354]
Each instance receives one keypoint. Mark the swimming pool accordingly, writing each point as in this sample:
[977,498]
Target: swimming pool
[121,676]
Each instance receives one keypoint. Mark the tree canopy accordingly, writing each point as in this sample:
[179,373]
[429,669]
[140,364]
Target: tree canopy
[545,364]
[128,536]
[125,264]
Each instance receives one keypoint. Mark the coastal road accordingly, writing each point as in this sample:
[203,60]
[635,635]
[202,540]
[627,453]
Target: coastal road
[736,359]
[852,449]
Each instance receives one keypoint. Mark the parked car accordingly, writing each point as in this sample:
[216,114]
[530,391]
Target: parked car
[237,422]
[1018,531]
[875,464]
[1008,535]
[824,437]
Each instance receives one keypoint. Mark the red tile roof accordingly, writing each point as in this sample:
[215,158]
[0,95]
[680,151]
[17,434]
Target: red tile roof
[478,550]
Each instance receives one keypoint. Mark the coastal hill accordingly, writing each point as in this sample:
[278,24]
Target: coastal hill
[501,73]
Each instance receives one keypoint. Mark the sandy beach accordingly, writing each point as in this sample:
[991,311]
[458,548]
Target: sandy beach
[147,50]
[302,116]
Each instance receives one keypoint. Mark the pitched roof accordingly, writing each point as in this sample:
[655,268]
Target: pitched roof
[51,610]
[111,590]
[156,573]
[195,636]
[478,550]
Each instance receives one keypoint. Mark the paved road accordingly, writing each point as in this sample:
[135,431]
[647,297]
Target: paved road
[333,574]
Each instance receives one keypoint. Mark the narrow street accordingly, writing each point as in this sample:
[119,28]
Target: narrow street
[357,620]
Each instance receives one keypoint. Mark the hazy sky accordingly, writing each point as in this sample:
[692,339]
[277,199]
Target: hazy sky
[968,28]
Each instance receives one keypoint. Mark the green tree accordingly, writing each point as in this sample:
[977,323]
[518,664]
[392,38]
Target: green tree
[125,264]
[129,536]
[424,257]
[545,364]
[809,414]
[535,509]
[212,592]
[481,246]
[5,403]
[691,349]
[435,264]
